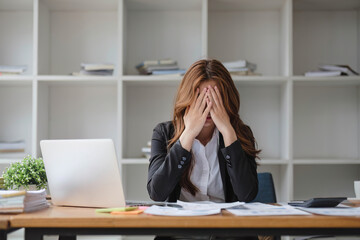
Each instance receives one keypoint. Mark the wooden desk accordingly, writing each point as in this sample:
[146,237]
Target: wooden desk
[70,221]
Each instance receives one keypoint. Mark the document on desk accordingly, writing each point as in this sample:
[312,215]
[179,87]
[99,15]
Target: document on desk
[207,205]
[335,211]
[260,209]
[200,208]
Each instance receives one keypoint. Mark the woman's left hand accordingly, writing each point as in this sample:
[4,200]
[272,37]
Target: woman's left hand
[220,117]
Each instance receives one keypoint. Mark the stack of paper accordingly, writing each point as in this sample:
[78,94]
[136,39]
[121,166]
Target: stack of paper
[200,208]
[16,146]
[11,69]
[260,209]
[160,67]
[22,201]
[240,67]
[95,69]
[335,211]
[329,70]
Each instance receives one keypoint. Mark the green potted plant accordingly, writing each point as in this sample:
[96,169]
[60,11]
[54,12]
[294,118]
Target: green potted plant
[24,174]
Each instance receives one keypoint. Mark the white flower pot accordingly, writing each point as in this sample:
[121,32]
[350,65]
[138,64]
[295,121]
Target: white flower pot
[32,187]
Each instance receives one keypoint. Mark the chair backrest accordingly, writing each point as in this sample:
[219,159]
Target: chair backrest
[266,192]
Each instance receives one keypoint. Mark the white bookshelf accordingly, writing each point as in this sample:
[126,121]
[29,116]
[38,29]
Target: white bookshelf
[308,128]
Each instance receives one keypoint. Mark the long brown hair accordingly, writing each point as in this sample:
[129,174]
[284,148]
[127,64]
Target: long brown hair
[201,71]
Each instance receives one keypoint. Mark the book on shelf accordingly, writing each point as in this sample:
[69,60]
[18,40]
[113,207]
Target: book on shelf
[323,73]
[329,70]
[95,69]
[10,147]
[344,69]
[97,66]
[159,67]
[12,201]
[148,63]
[12,69]
[178,72]
[147,150]
[239,64]
[93,73]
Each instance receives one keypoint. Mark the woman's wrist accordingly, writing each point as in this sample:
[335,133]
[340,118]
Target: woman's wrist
[229,136]
[187,139]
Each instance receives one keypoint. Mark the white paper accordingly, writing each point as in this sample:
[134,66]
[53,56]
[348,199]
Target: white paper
[260,209]
[207,205]
[171,211]
[336,211]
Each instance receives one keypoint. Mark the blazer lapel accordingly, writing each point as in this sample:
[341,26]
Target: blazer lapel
[222,165]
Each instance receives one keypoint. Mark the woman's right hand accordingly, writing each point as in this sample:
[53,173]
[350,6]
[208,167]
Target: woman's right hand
[194,118]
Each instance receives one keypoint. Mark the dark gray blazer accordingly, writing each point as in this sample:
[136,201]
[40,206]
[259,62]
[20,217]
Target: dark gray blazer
[238,170]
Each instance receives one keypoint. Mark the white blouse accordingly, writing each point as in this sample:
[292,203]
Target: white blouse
[206,172]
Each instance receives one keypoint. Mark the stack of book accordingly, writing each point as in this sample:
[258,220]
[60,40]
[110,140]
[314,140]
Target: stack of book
[147,150]
[332,70]
[160,67]
[10,147]
[95,69]
[12,69]
[240,67]
[22,201]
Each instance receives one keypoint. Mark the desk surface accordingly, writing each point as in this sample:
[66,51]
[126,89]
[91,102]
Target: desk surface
[65,217]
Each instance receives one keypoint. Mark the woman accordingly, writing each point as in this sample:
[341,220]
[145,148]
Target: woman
[206,152]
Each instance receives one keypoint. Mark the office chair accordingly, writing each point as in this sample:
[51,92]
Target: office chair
[266,192]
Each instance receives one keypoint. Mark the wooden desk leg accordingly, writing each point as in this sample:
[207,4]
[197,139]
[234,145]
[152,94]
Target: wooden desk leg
[67,237]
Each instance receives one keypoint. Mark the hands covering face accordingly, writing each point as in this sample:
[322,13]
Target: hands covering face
[218,112]
[196,113]
[208,101]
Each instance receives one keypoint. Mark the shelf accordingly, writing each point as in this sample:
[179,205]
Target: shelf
[325,180]
[129,161]
[320,36]
[261,107]
[16,80]
[78,80]
[16,26]
[16,116]
[325,161]
[163,5]
[18,5]
[91,28]
[272,162]
[231,37]
[9,160]
[81,5]
[151,80]
[173,29]
[326,5]
[326,81]
[68,111]
[259,80]
[329,117]
[150,105]
[249,5]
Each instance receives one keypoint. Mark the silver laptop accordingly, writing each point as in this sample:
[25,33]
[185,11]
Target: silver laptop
[83,173]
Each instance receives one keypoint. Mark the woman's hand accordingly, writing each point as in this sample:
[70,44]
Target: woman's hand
[195,117]
[220,117]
